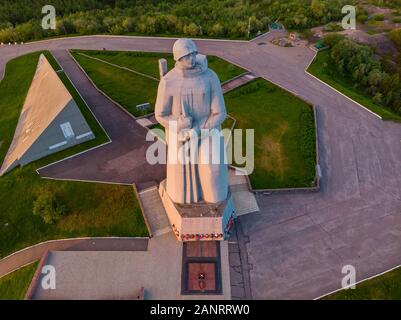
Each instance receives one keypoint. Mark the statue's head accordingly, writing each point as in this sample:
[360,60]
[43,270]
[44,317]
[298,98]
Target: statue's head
[184,51]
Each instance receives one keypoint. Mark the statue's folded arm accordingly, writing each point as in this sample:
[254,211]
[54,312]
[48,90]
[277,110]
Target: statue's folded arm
[163,105]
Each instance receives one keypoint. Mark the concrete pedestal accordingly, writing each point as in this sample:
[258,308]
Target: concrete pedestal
[199,221]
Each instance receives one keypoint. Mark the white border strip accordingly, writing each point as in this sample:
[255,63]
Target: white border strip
[358,282]
[313,59]
[71,156]
[89,181]
[84,135]
[357,103]
[243,74]
[260,36]
[118,66]
[67,239]
[25,265]
[55,146]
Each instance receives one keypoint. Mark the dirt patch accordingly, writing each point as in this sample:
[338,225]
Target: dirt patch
[377,10]
[379,41]
[273,156]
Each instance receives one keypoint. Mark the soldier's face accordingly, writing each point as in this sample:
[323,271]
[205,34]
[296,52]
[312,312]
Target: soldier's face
[188,61]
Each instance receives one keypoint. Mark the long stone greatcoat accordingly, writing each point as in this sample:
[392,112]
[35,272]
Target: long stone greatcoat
[195,93]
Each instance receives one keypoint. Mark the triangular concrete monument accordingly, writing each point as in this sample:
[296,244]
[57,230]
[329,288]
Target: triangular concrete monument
[50,120]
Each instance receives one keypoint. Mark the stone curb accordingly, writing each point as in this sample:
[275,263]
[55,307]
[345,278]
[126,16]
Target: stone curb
[28,254]
[32,286]
[142,210]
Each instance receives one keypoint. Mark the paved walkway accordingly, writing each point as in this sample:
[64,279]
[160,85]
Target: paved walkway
[237,82]
[119,275]
[239,265]
[299,243]
[31,254]
[154,211]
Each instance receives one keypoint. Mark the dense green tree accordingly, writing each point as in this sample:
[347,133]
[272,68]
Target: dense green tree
[217,18]
[317,7]
[358,61]
[395,36]
[49,207]
[332,39]
[217,30]
[191,29]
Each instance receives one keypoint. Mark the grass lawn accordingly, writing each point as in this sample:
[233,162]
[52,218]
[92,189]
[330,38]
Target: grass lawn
[130,89]
[94,209]
[284,134]
[14,285]
[147,62]
[126,88]
[324,70]
[384,287]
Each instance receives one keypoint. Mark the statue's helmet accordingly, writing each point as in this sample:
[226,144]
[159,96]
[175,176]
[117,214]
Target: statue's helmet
[183,47]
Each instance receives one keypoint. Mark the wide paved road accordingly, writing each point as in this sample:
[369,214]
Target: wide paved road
[299,243]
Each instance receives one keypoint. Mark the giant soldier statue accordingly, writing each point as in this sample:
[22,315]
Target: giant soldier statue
[190,99]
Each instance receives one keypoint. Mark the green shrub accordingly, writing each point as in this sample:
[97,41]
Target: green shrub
[332,39]
[307,139]
[378,17]
[373,23]
[378,98]
[362,18]
[332,26]
[395,36]
[49,207]
[249,88]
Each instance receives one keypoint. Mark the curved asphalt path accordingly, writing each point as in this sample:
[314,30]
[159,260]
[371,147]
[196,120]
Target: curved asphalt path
[299,243]
[30,254]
